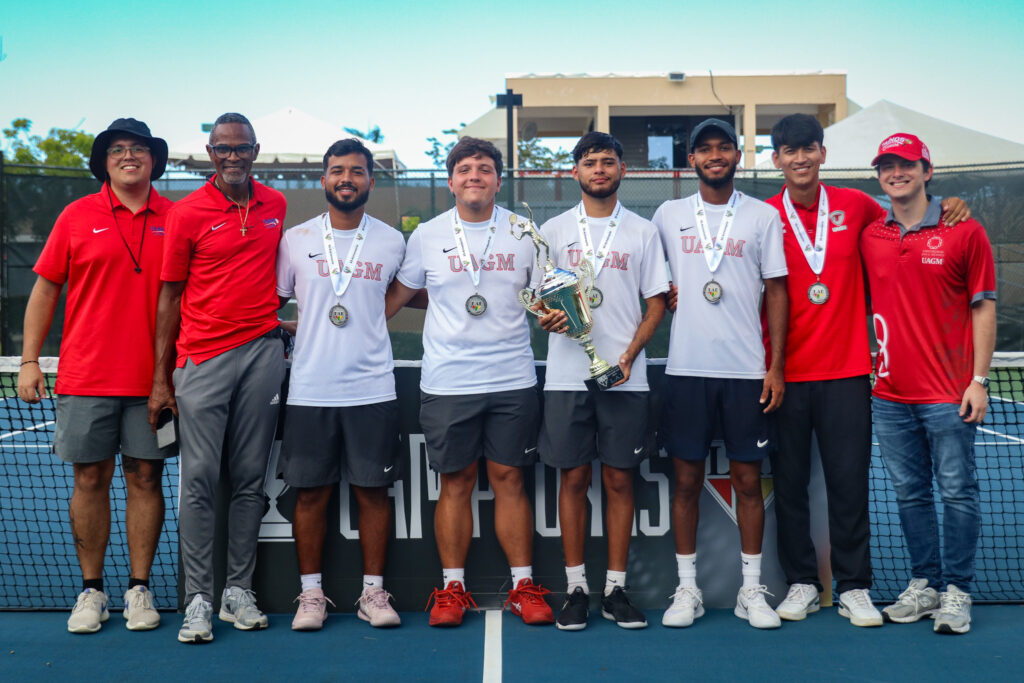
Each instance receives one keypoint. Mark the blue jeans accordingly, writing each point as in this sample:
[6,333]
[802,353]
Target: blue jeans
[918,441]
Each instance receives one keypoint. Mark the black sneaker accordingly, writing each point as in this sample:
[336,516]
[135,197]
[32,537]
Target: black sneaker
[575,611]
[617,607]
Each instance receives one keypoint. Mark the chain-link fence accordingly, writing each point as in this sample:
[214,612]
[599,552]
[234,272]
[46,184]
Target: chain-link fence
[31,199]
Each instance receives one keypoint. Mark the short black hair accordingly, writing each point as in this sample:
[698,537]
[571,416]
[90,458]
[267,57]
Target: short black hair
[797,130]
[232,117]
[349,146]
[471,147]
[596,141]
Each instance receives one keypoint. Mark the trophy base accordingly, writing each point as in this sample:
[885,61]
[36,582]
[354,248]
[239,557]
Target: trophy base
[605,380]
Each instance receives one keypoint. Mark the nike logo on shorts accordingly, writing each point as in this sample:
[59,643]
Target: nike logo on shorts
[388,468]
[529,450]
[638,451]
[762,444]
[221,225]
[445,251]
[97,231]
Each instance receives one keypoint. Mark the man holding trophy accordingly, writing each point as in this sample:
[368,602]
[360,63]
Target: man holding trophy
[478,382]
[724,249]
[622,254]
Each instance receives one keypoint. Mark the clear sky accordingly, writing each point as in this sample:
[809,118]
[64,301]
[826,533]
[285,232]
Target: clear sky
[415,68]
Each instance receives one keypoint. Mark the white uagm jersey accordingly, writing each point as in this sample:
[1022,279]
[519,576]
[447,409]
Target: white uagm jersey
[465,354]
[723,339]
[634,267]
[340,366]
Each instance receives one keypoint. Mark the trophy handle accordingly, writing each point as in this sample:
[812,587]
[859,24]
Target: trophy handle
[586,276]
[530,228]
[528,299]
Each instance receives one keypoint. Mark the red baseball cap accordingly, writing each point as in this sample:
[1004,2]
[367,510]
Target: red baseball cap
[905,146]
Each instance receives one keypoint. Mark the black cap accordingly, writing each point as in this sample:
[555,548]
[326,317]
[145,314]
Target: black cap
[725,127]
[138,129]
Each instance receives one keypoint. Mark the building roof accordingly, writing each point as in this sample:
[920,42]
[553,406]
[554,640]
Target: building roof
[664,74]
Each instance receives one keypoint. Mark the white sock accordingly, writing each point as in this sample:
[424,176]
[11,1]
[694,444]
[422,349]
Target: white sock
[370,581]
[449,575]
[613,579]
[520,573]
[751,569]
[310,581]
[687,567]
[576,577]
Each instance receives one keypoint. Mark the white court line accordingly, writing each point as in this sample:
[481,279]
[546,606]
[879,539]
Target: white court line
[38,425]
[492,647]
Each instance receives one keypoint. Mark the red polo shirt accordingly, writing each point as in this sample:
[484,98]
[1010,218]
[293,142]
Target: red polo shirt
[830,340]
[230,296]
[922,287]
[110,316]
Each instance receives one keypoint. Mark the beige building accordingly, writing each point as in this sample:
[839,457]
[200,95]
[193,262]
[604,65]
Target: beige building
[652,113]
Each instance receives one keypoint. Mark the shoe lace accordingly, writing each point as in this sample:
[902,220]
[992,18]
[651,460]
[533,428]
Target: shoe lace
[858,598]
[196,611]
[912,597]
[801,593]
[687,592]
[952,603]
[311,603]
[86,599]
[445,598]
[752,592]
[139,600]
[245,599]
[377,599]
[528,592]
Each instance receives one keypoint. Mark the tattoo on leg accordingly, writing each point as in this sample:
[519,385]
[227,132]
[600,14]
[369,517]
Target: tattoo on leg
[75,538]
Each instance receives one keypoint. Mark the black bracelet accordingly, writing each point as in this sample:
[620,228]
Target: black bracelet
[26,362]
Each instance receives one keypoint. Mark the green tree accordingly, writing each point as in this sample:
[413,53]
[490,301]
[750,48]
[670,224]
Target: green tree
[61,148]
[371,134]
[439,149]
[533,155]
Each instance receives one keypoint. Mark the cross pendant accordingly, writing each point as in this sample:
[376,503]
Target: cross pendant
[243,231]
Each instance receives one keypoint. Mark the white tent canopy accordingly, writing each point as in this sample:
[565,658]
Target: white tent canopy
[853,142]
[289,136]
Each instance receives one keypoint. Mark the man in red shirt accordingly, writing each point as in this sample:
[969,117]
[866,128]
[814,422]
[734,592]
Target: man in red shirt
[108,248]
[933,299]
[220,290]
[827,367]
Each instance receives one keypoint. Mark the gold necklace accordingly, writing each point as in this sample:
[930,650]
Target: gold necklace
[240,217]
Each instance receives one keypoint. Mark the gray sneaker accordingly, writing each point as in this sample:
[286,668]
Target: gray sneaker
[238,607]
[914,603]
[955,614]
[197,627]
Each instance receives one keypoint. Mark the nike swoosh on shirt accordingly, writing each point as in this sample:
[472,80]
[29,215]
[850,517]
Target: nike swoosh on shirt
[637,451]
[570,244]
[688,227]
[314,255]
[529,450]
[97,231]
[388,468]
[219,226]
[762,444]
[445,251]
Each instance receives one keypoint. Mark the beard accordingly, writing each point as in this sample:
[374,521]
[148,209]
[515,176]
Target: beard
[351,205]
[716,183]
[603,192]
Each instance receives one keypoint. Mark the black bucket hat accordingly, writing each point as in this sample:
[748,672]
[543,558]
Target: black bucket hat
[138,129]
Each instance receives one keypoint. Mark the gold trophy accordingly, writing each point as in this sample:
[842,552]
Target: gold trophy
[564,290]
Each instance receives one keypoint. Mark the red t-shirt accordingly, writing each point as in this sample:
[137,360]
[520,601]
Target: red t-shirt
[230,293]
[922,287]
[110,316]
[830,340]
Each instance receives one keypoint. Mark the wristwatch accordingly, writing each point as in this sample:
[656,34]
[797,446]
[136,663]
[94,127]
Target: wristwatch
[983,381]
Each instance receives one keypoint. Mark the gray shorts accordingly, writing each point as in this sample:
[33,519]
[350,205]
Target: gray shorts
[500,426]
[95,428]
[323,444]
[580,426]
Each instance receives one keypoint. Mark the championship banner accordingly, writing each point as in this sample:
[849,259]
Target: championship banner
[414,570]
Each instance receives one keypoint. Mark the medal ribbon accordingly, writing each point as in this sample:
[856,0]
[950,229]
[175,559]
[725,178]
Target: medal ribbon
[714,248]
[597,260]
[341,277]
[463,245]
[815,254]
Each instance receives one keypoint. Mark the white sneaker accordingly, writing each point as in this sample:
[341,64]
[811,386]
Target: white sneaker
[312,612]
[801,600]
[375,607]
[687,605]
[751,605]
[138,610]
[89,612]
[197,626]
[857,606]
[917,601]
[955,614]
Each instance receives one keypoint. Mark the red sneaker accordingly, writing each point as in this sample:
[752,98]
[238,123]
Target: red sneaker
[449,604]
[527,601]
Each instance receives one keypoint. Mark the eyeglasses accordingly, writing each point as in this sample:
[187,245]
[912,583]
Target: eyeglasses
[224,151]
[119,151]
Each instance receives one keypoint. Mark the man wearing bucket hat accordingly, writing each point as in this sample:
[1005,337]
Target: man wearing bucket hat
[933,303]
[106,243]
